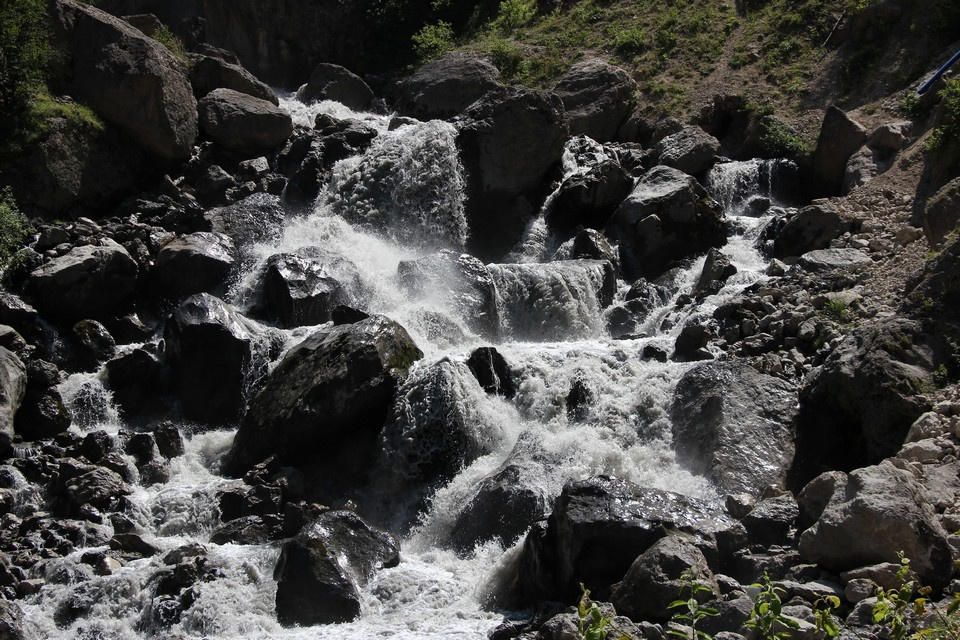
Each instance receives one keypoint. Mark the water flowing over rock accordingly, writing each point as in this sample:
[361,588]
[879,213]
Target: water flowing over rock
[508,140]
[328,397]
[668,216]
[534,297]
[243,123]
[444,87]
[321,571]
[597,529]
[13,385]
[333,82]
[735,425]
[874,514]
[89,281]
[304,288]
[492,371]
[129,79]
[256,218]
[597,96]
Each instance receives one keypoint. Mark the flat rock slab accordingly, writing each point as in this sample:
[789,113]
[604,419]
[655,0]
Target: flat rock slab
[829,259]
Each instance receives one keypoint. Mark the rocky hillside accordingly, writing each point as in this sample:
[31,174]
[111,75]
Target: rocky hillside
[568,155]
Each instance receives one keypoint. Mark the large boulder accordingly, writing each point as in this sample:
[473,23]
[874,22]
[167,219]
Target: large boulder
[256,218]
[212,72]
[876,513]
[940,214]
[12,625]
[333,82]
[856,409]
[589,198]
[811,228]
[668,216]
[304,288]
[129,79]
[598,98]
[459,282]
[332,390]
[508,140]
[13,386]
[597,529]
[444,87]
[734,425]
[211,348]
[195,263]
[691,150]
[840,136]
[654,580]
[89,281]
[321,571]
[243,123]
[821,260]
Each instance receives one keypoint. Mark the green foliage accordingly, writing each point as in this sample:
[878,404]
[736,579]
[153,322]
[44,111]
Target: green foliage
[432,41]
[630,42]
[777,135]
[767,616]
[948,130]
[24,52]
[14,227]
[514,14]
[895,608]
[592,624]
[167,38]
[827,624]
[949,371]
[690,611]
[838,311]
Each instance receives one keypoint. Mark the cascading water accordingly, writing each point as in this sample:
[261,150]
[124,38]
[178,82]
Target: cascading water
[398,201]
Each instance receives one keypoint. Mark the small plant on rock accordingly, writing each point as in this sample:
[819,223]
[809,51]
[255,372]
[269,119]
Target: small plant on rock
[827,624]
[690,611]
[592,624]
[14,227]
[895,608]
[767,617]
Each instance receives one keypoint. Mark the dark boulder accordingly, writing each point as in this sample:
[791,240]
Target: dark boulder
[840,136]
[654,580]
[597,529]
[210,348]
[13,386]
[940,214]
[667,217]
[252,529]
[98,487]
[717,269]
[598,98]
[445,87]
[735,425]
[11,621]
[333,82]
[89,281]
[212,72]
[332,390]
[321,571]
[135,377]
[875,514]
[492,372]
[460,282]
[242,123]
[42,413]
[256,218]
[770,521]
[94,344]
[129,79]
[304,288]
[588,199]
[690,150]
[508,140]
[813,227]
[504,506]
[856,409]
[196,263]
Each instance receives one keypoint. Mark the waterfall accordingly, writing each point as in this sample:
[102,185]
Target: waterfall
[585,404]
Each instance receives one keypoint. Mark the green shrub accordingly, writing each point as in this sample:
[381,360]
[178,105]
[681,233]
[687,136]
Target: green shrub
[514,14]
[14,227]
[777,135]
[630,42]
[432,41]
[949,128]
[167,38]
[24,52]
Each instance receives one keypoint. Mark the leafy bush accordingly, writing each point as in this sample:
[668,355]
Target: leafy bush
[767,617]
[167,38]
[949,127]
[24,51]
[13,227]
[777,135]
[630,42]
[432,41]
[592,624]
[690,611]
[514,14]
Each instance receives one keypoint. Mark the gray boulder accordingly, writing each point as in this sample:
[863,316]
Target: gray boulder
[89,281]
[598,528]
[129,79]
[840,136]
[813,227]
[822,260]
[769,523]
[333,82]
[735,425]
[243,123]
[210,347]
[445,87]
[210,72]
[598,98]
[304,288]
[588,199]
[691,150]
[321,571]
[940,214]
[13,386]
[195,263]
[717,269]
[256,218]
[667,217]
[11,621]
[333,388]
[508,140]
[878,512]
[653,580]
